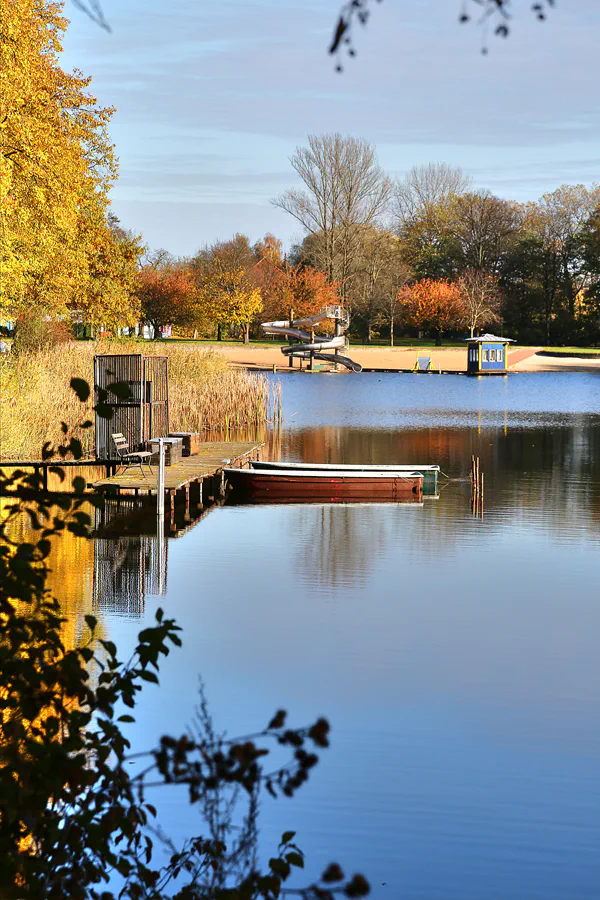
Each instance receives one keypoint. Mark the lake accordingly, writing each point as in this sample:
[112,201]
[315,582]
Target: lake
[456,657]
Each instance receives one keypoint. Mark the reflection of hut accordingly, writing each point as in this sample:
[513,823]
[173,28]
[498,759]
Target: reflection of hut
[127,566]
[487,355]
[125,570]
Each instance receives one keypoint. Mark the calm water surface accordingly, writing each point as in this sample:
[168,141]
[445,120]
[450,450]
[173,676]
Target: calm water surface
[456,658]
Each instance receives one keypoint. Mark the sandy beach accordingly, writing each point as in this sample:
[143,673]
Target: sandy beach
[520,359]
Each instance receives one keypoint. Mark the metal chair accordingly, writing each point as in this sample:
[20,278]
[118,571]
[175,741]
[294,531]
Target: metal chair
[128,460]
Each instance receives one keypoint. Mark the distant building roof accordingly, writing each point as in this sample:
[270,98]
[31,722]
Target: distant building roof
[489,338]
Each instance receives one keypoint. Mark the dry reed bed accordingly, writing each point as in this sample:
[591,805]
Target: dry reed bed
[204,394]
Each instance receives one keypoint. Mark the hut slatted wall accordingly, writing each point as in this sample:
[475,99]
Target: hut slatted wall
[144,412]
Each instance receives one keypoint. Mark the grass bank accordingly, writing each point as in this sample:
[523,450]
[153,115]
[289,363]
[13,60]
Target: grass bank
[583,352]
[205,394]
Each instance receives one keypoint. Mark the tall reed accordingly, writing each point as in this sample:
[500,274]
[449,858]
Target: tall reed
[205,394]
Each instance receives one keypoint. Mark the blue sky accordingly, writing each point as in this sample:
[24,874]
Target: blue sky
[213,97]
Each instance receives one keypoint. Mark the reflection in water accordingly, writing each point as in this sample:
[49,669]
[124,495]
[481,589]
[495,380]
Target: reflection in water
[336,543]
[127,566]
[456,657]
[125,570]
[543,479]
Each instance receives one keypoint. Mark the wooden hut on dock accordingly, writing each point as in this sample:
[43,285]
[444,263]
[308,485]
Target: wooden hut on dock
[137,388]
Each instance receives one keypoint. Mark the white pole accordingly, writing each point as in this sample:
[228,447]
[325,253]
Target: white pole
[160,486]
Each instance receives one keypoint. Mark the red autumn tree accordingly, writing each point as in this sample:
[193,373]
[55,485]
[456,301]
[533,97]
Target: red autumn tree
[286,288]
[432,304]
[167,295]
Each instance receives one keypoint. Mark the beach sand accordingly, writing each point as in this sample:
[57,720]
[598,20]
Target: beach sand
[521,359]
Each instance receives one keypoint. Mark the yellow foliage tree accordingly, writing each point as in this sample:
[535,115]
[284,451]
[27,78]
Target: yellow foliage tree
[56,167]
[227,293]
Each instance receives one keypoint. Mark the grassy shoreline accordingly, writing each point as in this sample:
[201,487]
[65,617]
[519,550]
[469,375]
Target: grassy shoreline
[205,394]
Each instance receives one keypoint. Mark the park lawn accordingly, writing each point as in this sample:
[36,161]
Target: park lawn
[569,351]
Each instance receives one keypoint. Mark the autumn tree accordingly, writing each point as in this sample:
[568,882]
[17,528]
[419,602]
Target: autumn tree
[309,291]
[425,192]
[109,294]
[481,297]
[432,304]
[395,277]
[269,248]
[226,289]
[482,226]
[167,295]
[560,224]
[421,212]
[56,167]
[381,272]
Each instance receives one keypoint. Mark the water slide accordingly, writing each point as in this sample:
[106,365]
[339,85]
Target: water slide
[311,346]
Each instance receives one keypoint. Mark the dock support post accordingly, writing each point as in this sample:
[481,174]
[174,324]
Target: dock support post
[160,484]
[187,502]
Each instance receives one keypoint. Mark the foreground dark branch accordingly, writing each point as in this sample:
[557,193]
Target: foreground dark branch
[498,12]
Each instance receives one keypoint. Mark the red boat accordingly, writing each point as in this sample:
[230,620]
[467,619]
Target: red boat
[280,485]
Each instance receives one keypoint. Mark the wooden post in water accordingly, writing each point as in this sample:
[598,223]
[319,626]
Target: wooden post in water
[476,487]
[160,482]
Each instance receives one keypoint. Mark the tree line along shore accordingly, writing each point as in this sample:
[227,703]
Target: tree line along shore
[428,253]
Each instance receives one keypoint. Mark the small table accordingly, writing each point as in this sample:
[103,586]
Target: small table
[173,449]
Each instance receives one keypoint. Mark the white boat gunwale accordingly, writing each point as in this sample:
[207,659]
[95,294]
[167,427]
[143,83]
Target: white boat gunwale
[318,473]
[262,465]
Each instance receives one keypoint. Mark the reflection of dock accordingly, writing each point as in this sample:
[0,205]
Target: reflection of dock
[131,552]
[128,564]
[125,570]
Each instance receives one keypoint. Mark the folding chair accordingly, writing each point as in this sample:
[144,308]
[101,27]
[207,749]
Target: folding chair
[423,364]
[128,460]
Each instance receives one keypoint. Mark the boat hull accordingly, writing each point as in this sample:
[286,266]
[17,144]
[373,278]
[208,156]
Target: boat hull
[429,472]
[279,486]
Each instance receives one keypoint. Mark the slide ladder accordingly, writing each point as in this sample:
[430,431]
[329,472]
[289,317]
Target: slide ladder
[310,346]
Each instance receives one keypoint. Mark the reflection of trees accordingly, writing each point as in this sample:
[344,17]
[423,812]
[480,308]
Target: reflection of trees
[340,543]
[544,476]
[70,567]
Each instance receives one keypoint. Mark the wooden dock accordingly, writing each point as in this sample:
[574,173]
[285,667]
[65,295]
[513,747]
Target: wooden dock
[208,462]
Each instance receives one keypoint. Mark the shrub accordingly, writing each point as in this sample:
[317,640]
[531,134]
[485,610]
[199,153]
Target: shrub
[34,333]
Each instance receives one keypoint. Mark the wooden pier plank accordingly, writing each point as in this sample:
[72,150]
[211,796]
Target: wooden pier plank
[211,458]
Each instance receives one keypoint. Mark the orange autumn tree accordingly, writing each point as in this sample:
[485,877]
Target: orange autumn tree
[167,295]
[300,289]
[432,304]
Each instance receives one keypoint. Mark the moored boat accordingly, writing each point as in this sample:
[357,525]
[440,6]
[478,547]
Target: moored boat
[430,473]
[331,486]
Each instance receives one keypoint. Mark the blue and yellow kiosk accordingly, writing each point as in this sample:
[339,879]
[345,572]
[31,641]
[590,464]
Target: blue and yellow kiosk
[488,355]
